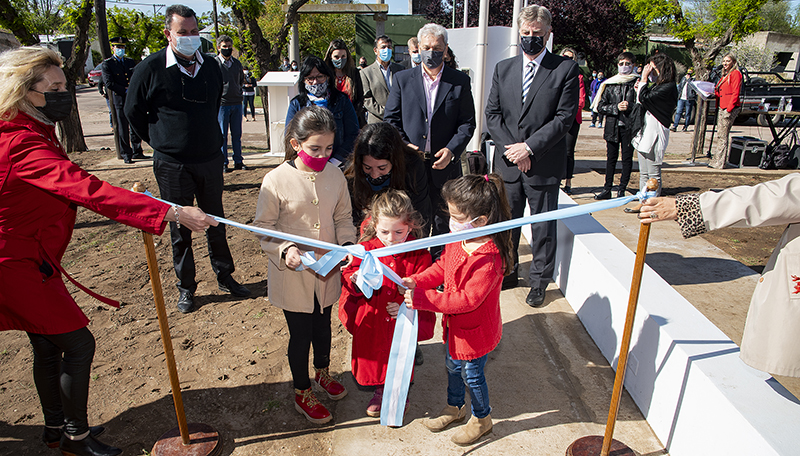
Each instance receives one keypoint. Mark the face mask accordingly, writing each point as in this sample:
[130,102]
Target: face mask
[226,52]
[315,163]
[57,105]
[387,243]
[432,59]
[119,52]
[318,90]
[294,67]
[385,54]
[338,63]
[187,45]
[594,75]
[531,45]
[379,183]
[363,64]
[625,69]
[416,58]
[652,77]
[455,227]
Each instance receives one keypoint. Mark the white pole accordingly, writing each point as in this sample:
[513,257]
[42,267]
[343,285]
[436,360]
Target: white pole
[466,13]
[513,49]
[480,72]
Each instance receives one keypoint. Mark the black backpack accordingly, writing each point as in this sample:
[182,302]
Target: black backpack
[780,157]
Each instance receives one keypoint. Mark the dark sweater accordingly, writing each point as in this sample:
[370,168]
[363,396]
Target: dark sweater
[232,80]
[176,114]
[660,100]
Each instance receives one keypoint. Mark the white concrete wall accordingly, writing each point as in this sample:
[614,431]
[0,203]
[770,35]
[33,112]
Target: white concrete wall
[683,373]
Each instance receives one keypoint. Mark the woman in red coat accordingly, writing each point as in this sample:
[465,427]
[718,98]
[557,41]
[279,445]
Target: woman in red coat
[40,189]
[727,91]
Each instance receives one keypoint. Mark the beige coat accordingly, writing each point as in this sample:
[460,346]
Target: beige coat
[375,90]
[771,340]
[312,205]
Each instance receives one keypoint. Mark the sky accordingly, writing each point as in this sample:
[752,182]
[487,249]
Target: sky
[201,6]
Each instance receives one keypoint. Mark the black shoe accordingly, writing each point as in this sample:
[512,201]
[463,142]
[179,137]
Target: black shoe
[52,436]
[535,297]
[510,281]
[673,128]
[87,447]
[685,129]
[418,358]
[140,156]
[567,189]
[127,160]
[621,192]
[239,166]
[440,288]
[226,170]
[186,302]
[233,287]
[604,195]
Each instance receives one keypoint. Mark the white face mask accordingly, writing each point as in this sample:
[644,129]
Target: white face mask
[187,45]
[625,69]
[455,227]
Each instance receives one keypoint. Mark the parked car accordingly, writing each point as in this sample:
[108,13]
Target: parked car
[96,76]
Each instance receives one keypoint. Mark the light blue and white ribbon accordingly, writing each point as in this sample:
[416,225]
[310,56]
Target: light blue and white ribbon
[400,367]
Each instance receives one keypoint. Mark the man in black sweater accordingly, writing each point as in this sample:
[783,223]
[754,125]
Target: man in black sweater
[230,113]
[172,103]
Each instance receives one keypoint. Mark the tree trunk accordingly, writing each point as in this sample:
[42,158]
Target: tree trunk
[70,129]
[13,22]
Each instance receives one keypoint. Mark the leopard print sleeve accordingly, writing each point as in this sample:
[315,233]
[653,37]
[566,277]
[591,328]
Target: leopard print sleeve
[690,215]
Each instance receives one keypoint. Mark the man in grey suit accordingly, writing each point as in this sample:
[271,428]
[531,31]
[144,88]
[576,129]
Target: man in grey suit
[377,79]
[531,107]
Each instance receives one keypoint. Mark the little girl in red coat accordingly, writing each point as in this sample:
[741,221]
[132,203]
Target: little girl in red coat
[472,273]
[371,321]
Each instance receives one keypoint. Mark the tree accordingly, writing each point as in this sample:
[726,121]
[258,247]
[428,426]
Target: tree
[704,34]
[16,17]
[600,29]
[145,31]
[776,16]
[80,14]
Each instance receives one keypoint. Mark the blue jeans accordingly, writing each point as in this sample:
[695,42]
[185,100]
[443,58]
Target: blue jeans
[469,373]
[685,107]
[231,115]
[249,100]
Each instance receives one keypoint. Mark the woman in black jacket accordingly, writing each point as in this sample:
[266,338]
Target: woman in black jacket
[658,95]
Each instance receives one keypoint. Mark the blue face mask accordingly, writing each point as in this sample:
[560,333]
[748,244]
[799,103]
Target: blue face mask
[187,45]
[338,63]
[119,52]
[416,58]
[385,54]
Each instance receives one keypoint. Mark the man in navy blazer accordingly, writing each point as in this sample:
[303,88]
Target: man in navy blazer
[531,107]
[432,107]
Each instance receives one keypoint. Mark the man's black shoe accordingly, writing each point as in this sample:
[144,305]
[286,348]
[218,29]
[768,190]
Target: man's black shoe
[186,302]
[87,447]
[510,281]
[535,297]
[226,170]
[418,358]
[52,436]
[239,166]
[233,287]
[140,156]
[127,160]
[604,195]
[621,192]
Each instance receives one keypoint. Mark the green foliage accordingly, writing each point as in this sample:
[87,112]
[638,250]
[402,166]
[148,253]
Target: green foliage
[753,58]
[144,31]
[776,16]
[40,17]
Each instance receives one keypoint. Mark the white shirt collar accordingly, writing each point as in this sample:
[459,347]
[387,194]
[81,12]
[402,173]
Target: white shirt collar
[538,59]
[171,60]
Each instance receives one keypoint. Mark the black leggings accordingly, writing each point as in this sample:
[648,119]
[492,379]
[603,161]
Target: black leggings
[306,330]
[61,366]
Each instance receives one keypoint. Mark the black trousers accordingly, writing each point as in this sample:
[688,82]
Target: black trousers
[306,330]
[61,367]
[440,218]
[572,140]
[181,184]
[543,245]
[613,152]
[129,142]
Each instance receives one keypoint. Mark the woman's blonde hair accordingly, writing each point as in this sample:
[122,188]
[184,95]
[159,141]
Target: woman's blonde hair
[20,70]
[393,203]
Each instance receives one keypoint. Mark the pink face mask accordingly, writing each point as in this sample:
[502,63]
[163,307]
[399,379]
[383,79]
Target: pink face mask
[315,163]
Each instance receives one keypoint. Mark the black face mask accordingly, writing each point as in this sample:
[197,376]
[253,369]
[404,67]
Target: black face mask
[432,59]
[226,52]
[57,105]
[531,45]
[380,182]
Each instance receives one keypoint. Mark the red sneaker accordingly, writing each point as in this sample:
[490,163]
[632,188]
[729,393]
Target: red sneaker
[324,380]
[306,402]
[374,406]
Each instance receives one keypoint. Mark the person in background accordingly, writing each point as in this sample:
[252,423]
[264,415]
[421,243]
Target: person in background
[728,93]
[285,66]
[362,63]
[318,88]
[450,58]
[117,71]
[249,93]
[615,99]
[414,58]
[770,338]
[294,66]
[597,118]
[572,134]
[40,191]
[377,79]
[343,66]
[230,111]
[686,101]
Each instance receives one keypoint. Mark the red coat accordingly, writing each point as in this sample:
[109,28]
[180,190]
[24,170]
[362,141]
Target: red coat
[728,90]
[470,303]
[40,189]
[367,320]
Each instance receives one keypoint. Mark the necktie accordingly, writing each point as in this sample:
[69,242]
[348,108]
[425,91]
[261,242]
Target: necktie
[526,83]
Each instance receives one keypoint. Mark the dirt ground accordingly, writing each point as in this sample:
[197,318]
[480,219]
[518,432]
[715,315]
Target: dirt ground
[230,352]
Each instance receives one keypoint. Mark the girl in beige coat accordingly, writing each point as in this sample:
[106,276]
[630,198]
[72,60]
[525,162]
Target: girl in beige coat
[771,332]
[306,196]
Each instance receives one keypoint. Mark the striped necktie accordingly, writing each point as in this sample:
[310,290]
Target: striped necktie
[526,83]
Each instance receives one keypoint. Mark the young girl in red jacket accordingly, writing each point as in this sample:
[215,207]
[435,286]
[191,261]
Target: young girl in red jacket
[472,273]
[371,321]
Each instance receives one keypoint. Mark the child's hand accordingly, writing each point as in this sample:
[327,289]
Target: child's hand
[392,308]
[348,260]
[354,277]
[409,298]
[409,283]
[293,257]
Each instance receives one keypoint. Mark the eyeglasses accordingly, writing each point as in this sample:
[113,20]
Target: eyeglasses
[318,79]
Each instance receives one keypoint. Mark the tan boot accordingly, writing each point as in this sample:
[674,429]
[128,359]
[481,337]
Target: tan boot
[449,414]
[473,430]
